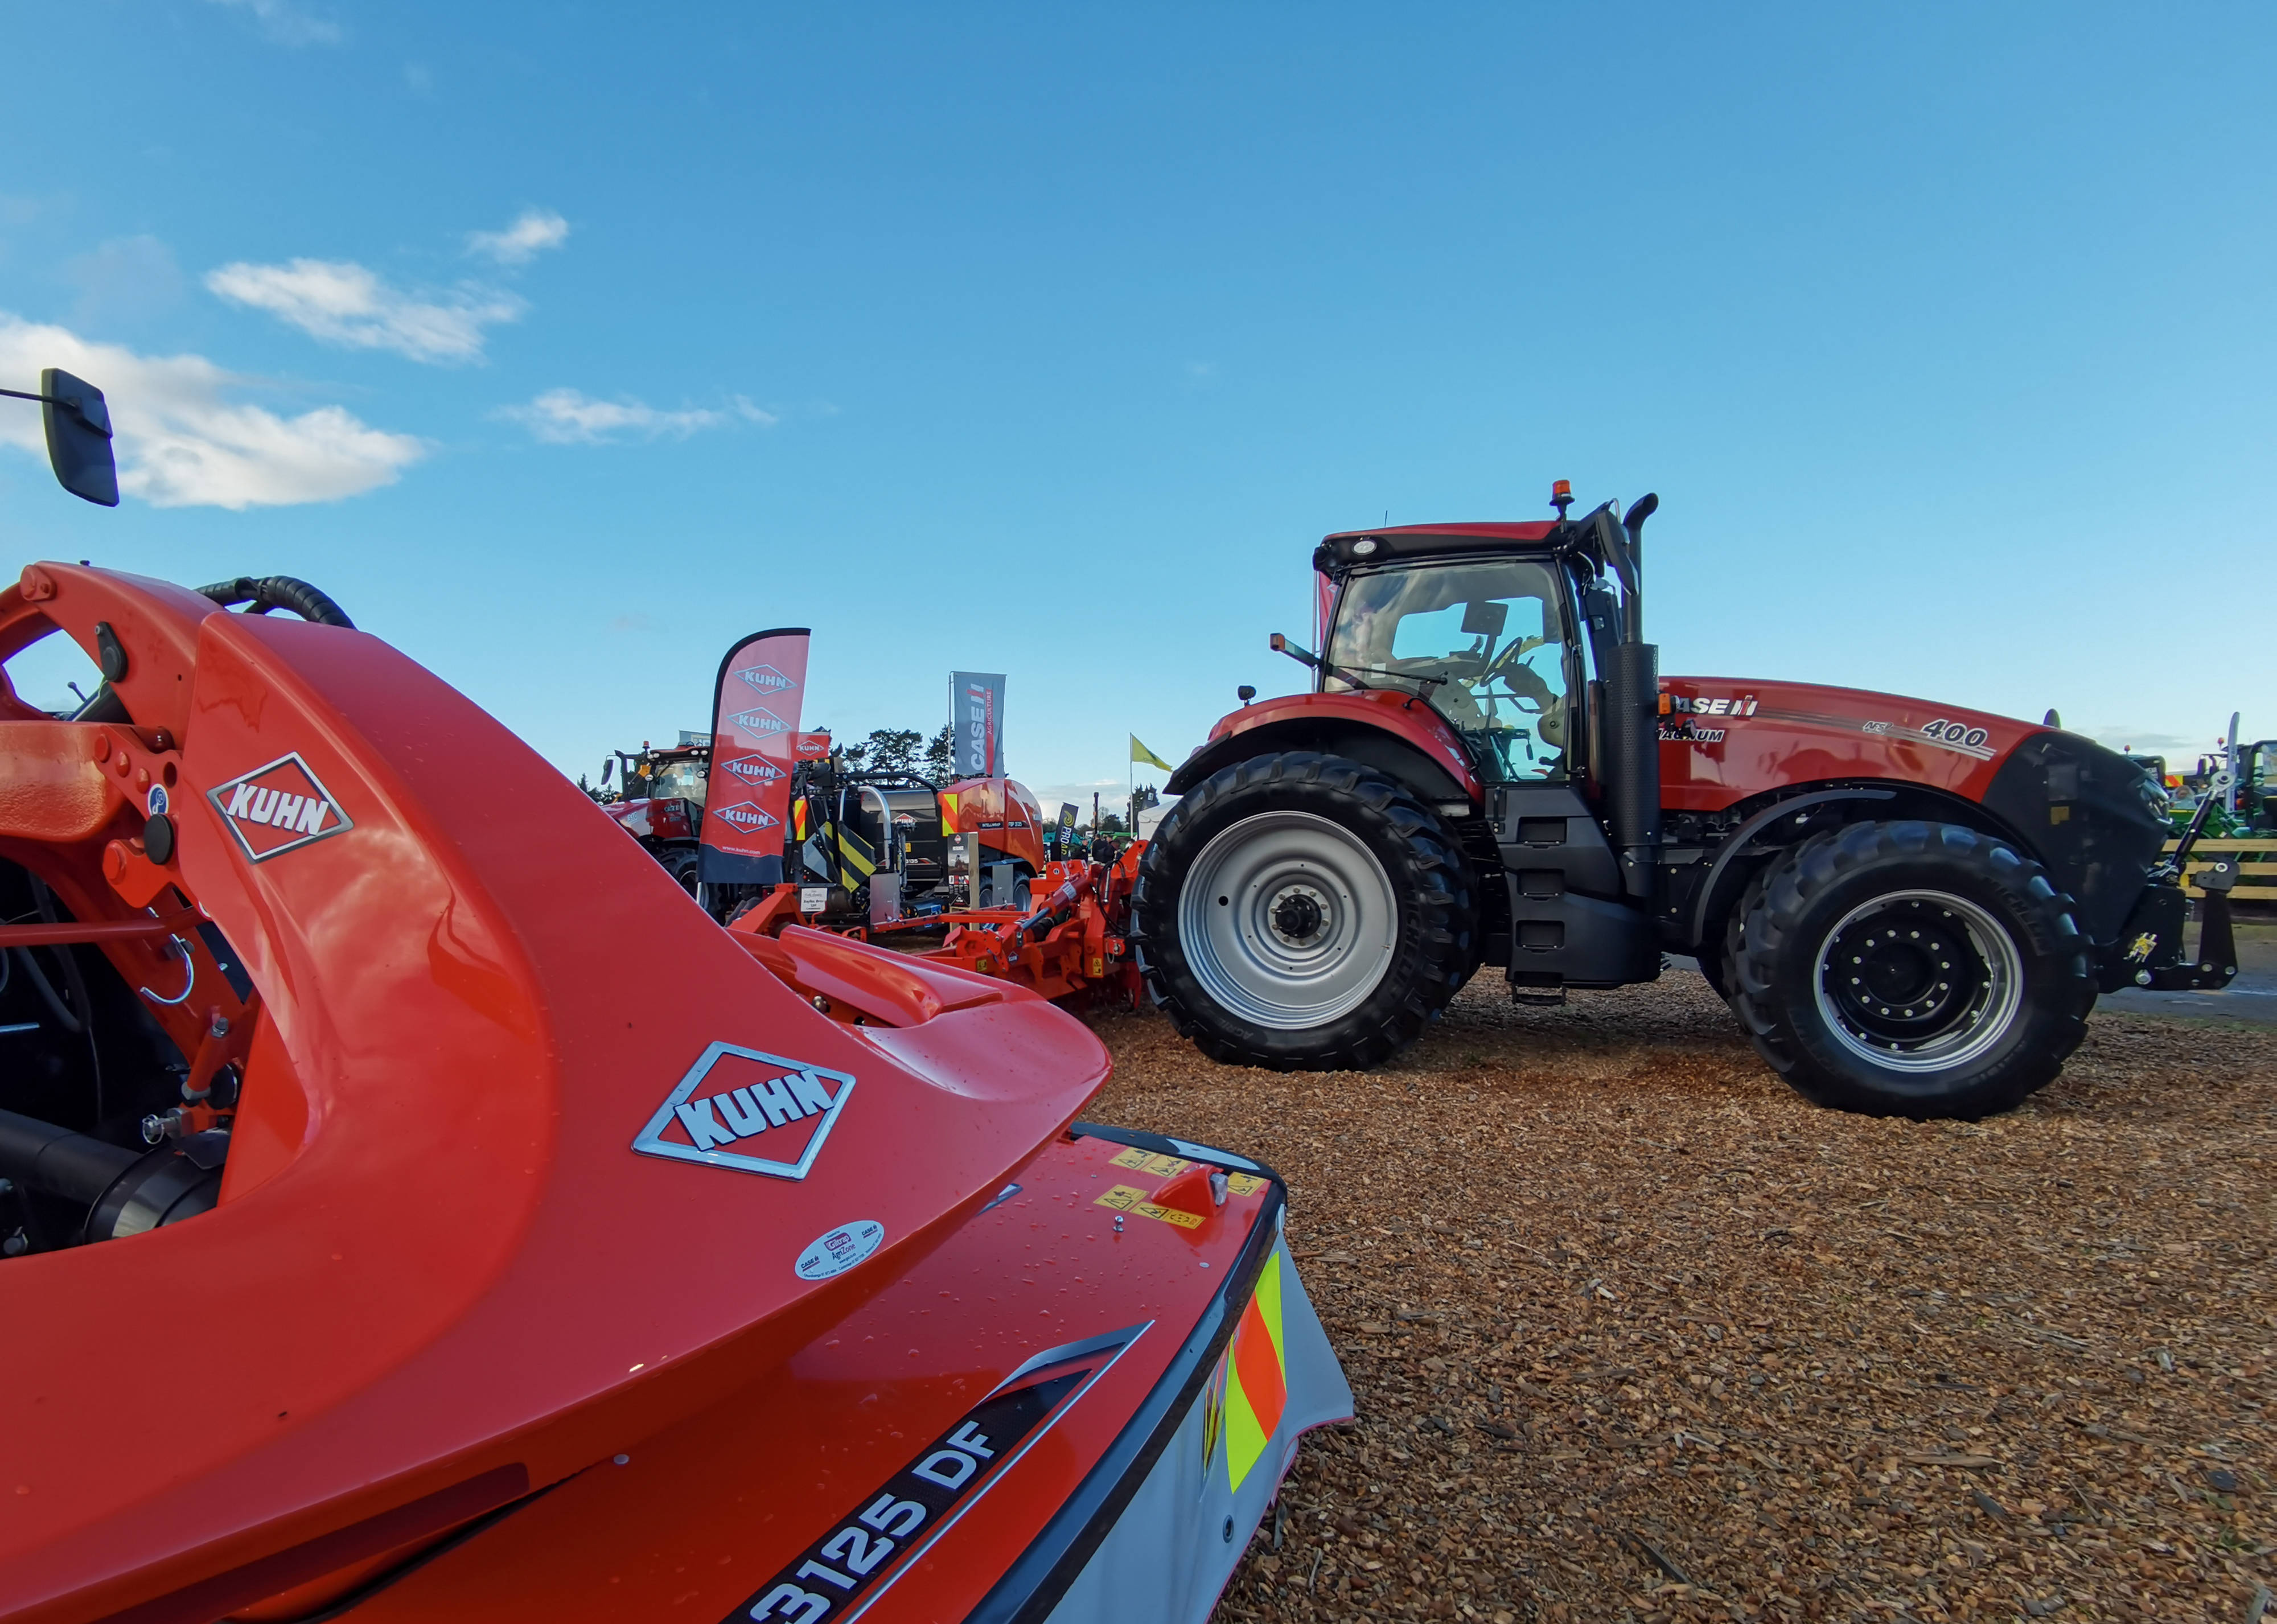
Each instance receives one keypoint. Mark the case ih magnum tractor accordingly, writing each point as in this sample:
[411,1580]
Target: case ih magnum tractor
[1910,906]
[661,803]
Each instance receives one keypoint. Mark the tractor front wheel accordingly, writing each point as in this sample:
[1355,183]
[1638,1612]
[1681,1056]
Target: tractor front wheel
[1302,911]
[1911,968]
[681,863]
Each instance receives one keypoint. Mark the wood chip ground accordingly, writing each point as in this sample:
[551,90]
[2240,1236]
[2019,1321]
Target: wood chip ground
[1634,1333]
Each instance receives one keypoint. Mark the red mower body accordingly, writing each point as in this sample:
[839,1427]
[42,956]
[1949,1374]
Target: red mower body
[541,1280]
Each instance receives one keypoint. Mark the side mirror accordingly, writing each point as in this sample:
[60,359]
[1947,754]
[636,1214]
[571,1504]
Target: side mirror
[607,767]
[79,437]
[1246,693]
[1280,644]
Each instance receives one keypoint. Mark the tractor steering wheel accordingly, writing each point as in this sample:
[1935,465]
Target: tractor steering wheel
[1523,680]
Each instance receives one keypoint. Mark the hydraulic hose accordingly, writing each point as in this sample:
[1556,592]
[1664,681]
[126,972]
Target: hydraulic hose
[267,592]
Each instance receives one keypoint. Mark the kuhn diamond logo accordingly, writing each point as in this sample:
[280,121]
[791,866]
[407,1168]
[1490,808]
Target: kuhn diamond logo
[278,808]
[753,769]
[757,1113]
[766,679]
[747,817]
[759,724]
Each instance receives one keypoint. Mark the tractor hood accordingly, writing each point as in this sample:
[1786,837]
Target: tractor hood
[1726,738]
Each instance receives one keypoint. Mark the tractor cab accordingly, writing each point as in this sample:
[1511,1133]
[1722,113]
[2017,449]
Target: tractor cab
[676,773]
[1486,643]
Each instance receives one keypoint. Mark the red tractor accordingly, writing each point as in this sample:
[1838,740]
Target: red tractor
[661,803]
[1911,907]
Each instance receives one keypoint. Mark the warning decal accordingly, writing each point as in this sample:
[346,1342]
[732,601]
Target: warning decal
[1125,1198]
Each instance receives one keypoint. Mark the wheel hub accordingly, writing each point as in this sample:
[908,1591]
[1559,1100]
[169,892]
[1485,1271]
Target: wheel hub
[1288,920]
[1905,972]
[1919,980]
[1297,915]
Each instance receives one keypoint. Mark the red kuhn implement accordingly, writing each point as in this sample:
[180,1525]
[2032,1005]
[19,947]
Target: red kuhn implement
[377,1243]
[1910,905]
[776,832]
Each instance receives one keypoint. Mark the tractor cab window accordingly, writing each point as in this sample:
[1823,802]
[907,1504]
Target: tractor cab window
[1484,642]
[679,781]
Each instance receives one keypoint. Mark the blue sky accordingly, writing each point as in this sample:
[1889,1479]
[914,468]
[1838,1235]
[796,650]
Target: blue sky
[563,344]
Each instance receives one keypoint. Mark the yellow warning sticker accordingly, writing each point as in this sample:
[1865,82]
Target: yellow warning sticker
[1170,1215]
[1242,1184]
[1123,1198]
[1143,1161]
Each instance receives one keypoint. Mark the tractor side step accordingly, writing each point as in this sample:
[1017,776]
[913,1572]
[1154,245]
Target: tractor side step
[1541,997]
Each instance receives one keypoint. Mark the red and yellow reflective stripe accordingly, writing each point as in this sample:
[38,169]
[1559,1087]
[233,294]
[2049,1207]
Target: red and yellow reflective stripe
[1257,1375]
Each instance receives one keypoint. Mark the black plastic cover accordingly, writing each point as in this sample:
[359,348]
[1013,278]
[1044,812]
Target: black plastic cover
[2086,813]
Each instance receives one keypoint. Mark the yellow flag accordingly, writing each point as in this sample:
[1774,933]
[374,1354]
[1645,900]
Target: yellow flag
[1139,752]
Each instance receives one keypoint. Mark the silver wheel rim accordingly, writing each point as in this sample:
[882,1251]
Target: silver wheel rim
[1288,920]
[1970,1001]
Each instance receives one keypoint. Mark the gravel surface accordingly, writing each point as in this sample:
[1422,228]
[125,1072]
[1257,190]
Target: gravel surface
[1636,1333]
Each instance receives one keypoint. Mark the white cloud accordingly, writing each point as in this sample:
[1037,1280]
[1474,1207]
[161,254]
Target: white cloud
[571,417]
[181,440]
[288,23]
[343,303]
[534,231]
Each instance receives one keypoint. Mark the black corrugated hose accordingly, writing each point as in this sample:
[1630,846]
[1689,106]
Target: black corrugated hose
[267,592]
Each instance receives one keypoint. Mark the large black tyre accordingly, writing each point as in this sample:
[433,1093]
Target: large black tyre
[1911,968]
[681,863]
[1354,924]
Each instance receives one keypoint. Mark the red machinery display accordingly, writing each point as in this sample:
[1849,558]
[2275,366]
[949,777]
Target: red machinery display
[379,1241]
[1910,905]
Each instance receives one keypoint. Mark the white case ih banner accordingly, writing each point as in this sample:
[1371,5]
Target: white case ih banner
[754,742]
[976,714]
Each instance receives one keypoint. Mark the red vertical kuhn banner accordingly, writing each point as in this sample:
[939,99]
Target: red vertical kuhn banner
[754,741]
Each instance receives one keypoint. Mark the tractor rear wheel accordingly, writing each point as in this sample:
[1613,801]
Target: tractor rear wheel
[1911,968]
[1302,911]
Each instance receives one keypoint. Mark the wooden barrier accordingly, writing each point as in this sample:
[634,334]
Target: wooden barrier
[2256,866]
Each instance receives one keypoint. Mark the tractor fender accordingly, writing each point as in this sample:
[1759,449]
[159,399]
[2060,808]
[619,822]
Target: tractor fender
[1728,873]
[1412,744]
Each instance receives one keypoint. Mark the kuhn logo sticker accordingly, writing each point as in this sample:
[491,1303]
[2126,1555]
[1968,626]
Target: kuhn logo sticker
[754,769]
[757,1113]
[759,723]
[747,817]
[766,679]
[278,808]
[840,1250]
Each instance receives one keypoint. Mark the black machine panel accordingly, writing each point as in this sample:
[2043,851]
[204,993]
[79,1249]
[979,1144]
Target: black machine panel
[1569,925]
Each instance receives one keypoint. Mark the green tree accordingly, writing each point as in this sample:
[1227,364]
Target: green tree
[894,750]
[940,755]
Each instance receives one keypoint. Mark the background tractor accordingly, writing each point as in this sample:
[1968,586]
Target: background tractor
[660,802]
[1910,906]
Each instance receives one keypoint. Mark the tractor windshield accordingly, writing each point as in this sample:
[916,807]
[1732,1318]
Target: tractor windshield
[679,781]
[1492,635]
